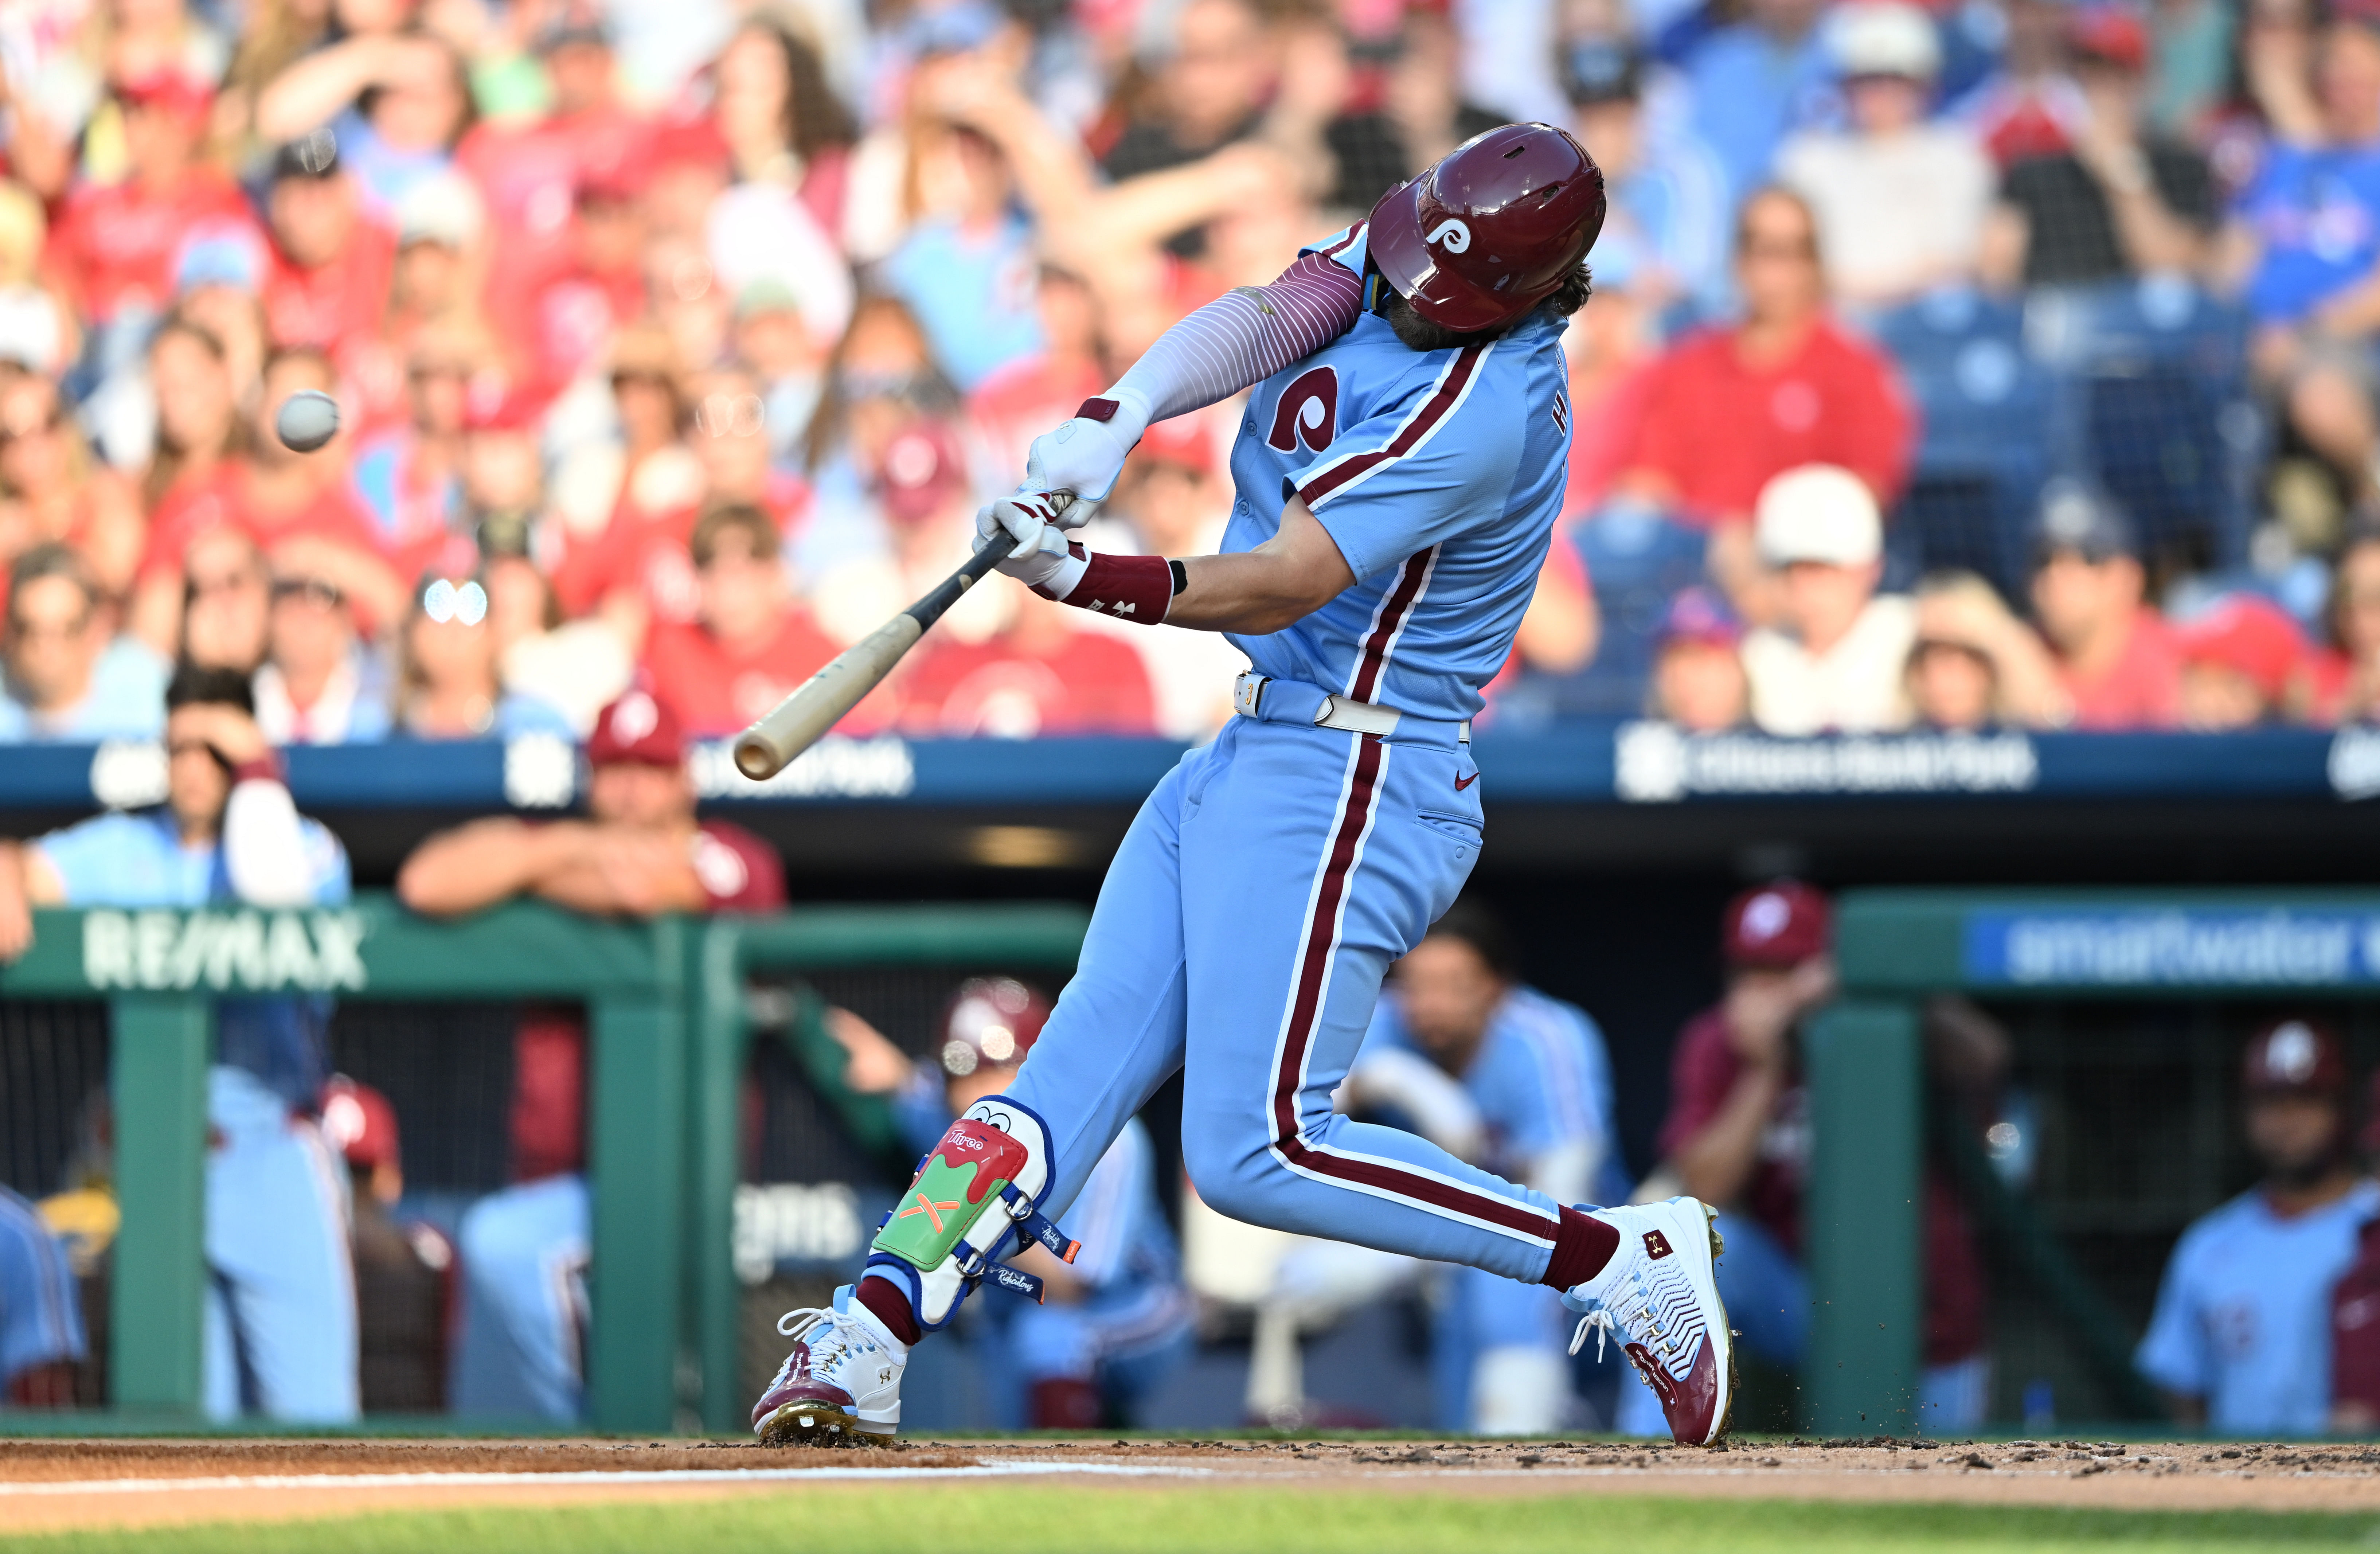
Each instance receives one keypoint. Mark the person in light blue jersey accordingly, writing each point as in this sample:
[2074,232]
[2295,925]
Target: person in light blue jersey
[280,1318]
[2239,1341]
[1398,470]
[1531,1100]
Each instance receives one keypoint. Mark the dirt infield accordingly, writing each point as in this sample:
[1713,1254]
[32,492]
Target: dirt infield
[61,1484]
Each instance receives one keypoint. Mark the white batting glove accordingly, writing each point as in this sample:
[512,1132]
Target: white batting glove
[1084,455]
[1042,558]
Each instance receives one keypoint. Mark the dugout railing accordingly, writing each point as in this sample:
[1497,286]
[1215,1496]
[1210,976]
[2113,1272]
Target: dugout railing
[669,1036]
[2127,1010]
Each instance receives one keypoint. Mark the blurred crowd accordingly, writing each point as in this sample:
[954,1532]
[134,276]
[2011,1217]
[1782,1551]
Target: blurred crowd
[675,345]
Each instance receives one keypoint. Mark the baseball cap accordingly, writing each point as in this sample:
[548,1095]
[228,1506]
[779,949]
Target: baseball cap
[1699,615]
[443,208]
[220,255]
[2293,1054]
[921,469]
[2250,634]
[768,294]
[1184,442]
[636,730]
[1602,70]
[1885,38]
[1781,924]
[991,1022]
[2110,35]
[2083,520]
[1818,512]
[173,90]
[309,156]
[359,1123]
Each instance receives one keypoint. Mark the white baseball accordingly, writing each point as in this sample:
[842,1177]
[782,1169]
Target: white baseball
[307,421]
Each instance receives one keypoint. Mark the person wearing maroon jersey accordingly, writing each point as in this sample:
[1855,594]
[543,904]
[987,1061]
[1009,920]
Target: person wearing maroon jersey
[750,645]
[640,852]
[1738,1135]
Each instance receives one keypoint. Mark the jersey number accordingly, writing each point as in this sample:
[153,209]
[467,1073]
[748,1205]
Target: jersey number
[1308,411]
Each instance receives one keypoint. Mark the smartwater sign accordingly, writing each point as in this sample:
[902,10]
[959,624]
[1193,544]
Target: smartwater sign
[2152,947]
[235,951]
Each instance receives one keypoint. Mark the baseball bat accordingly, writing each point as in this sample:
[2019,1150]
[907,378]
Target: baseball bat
[818,703]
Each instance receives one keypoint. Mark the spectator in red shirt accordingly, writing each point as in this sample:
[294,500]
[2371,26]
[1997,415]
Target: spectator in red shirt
[2241,663]
[603,289]
[2116,655]
[528,173]
[329,284]
[1013,406]
[1041,677]
[1727,409]
[1738,1135]
[298,507]
[113,248]
[750,644]
[637,570]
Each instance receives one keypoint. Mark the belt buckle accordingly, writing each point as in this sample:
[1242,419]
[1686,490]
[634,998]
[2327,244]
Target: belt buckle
[1247,693]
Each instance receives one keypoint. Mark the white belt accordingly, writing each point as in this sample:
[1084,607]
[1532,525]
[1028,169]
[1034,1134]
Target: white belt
[1337,711]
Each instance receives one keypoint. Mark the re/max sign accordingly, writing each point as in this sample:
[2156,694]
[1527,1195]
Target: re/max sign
[262,951]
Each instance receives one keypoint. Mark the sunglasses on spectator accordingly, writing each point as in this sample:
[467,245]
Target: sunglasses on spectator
[228,582]
[313,590]
[880,386]
[1779,248]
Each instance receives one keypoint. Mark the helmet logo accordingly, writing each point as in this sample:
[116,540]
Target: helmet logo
[1452,235]
[1306,412]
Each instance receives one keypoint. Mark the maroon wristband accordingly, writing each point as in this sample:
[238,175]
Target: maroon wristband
[265,767]
[1098,408]
[1136,589]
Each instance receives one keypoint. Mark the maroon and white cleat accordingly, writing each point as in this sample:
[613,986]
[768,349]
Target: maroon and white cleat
[1659,1295]
[840,1387]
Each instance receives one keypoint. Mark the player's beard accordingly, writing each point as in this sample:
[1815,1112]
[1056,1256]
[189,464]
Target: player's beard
[1421,334]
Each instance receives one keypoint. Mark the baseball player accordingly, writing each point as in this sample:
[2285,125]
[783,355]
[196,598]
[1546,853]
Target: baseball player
[2240,1340]
[280,1320]
[1538,1087]
[1399,470]
[41,1312]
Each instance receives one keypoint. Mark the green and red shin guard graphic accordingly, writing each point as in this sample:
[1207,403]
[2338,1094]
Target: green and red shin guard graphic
[985,1179]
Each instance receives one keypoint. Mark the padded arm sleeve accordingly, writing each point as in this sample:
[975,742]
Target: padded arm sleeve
[1243,337]
[264,846]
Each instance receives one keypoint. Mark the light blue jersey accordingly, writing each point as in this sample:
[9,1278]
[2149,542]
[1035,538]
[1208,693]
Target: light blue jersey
[125,699]
[2243,1315]
[1438,474]
[40,1317]
[1541,1079]
[279,1325]
[139,859]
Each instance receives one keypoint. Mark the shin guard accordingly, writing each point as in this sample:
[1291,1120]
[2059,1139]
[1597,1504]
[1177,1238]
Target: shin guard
[985,1181]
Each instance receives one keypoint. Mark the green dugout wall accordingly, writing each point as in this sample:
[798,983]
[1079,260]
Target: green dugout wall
[1865,1072]
[661,1112]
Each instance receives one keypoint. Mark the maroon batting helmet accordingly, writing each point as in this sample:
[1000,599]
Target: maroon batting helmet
[1493,229]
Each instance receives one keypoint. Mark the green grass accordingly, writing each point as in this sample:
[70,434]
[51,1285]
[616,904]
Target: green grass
[1001,1519]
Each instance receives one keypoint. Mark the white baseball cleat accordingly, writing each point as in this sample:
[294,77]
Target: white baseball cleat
[1660,1294]
[842,1384]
